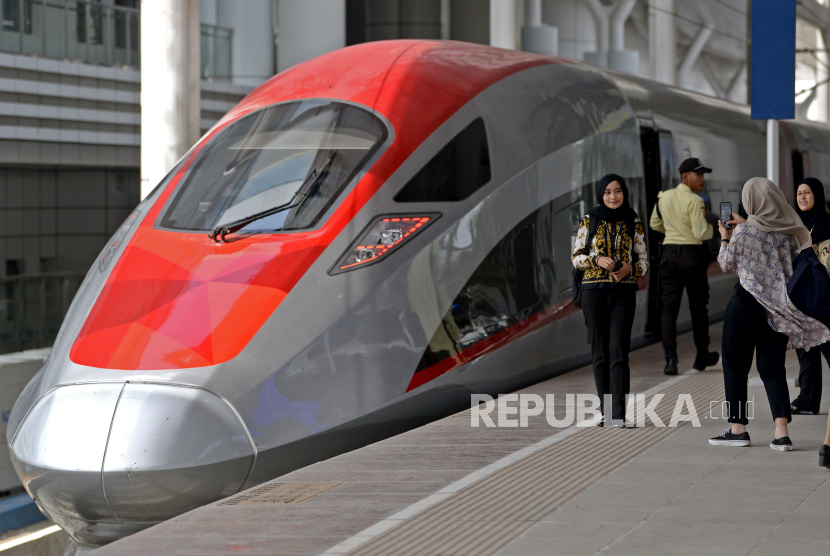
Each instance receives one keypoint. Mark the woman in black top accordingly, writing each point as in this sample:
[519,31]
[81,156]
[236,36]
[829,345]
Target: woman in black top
[810,206]
[612,261]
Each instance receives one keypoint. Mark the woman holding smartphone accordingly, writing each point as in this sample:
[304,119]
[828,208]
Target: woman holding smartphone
[612,259]
[761,321]
[810,206]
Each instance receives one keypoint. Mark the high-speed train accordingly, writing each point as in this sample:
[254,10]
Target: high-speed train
[361,243]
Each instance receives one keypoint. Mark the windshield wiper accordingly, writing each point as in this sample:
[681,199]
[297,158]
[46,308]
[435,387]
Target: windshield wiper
[219,232]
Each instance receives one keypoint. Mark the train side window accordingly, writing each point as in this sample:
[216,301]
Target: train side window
[456,172]
[565,229]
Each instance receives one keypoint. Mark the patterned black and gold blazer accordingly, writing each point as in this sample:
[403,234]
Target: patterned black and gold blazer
[614,235]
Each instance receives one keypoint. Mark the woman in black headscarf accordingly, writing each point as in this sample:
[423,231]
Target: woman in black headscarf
[811,207]
[611,250]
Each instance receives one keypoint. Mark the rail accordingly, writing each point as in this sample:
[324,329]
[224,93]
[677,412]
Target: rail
[32,308]
[95,33]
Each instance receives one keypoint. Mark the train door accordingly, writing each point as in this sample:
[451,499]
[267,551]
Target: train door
[658,171]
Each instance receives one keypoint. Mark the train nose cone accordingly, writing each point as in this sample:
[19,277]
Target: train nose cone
[109,459]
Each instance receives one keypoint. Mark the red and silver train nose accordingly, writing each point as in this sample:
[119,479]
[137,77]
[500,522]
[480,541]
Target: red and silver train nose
[107,459]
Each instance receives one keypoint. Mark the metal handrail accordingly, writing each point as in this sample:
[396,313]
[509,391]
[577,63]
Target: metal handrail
[27,321]
[85,7]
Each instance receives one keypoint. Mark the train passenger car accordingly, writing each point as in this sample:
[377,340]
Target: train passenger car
[361,243]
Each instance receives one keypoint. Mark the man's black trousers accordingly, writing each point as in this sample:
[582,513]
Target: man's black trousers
[679,270]
[809,377]
[609,314]
[747,333]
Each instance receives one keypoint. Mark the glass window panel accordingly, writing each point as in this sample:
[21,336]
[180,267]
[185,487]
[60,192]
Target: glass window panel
[119,51]
[11,15]
[76,24]
[32,27]
[223,54]
[80,11]
[97,24]
[97,34]
[135,36]
[10,26]
[207,47]
[55,30]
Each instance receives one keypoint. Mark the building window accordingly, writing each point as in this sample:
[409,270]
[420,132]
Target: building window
[216,53]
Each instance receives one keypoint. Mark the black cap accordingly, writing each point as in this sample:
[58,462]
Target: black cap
[693,165]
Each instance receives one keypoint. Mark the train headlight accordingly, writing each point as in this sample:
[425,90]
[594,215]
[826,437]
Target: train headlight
[384,235]
[120,234]
[390,237]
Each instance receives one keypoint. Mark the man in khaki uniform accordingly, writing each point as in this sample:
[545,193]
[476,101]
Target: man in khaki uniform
[680,215]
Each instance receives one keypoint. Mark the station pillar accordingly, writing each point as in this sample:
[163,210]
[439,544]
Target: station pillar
[503,24]
[662,42]
[170,111]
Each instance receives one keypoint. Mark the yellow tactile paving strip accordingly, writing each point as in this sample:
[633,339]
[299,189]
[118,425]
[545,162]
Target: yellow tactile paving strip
[485,516]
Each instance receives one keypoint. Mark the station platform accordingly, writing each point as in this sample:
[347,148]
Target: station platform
[448,488]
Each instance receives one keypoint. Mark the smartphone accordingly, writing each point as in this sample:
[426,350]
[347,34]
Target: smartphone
[617,265]
[726,214]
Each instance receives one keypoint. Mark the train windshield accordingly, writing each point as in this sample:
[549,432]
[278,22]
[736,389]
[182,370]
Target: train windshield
[300,154]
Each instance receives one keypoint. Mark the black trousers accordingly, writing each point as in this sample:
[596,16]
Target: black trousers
[679,271]
[609,314]
[746,332]
[809,377]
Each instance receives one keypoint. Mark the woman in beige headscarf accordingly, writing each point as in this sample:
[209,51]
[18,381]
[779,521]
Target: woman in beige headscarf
[760,318]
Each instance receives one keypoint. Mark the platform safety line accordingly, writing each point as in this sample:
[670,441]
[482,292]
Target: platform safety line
[414,509]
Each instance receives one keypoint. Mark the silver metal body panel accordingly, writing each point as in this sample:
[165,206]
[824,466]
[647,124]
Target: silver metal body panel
[97,455]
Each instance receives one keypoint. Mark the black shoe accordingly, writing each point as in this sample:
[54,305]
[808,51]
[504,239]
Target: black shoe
[726,438]
[704,360]
[624,423]
[824,456]
[802,411]
[671,362]
[783,444]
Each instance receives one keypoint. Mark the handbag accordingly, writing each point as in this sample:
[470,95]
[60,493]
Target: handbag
[809,286]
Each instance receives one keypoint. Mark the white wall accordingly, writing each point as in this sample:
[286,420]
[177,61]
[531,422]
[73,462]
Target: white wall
[252,47]
[577,31]
[208,12]
[309,28]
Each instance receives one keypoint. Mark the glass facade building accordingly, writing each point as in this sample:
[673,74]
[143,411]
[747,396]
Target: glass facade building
[70,134]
